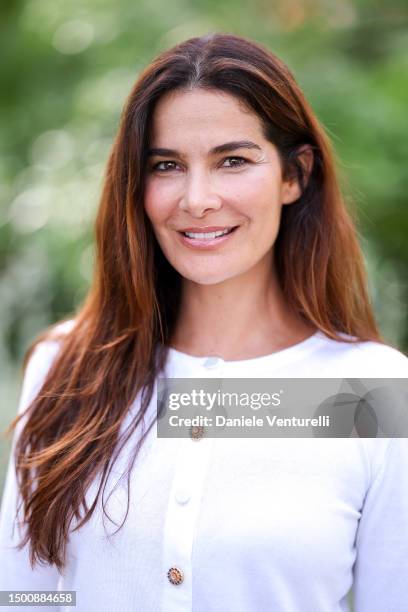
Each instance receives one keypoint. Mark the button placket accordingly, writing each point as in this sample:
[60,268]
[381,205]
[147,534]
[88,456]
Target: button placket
[180,523]
[212,367]
[191,468]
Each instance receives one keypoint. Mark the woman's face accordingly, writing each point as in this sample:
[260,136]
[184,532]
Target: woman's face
[209,167]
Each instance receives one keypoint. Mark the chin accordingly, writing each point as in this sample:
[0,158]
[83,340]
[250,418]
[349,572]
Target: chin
[209,278]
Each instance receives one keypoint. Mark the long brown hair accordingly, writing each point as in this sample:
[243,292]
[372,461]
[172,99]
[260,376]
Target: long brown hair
[119,341]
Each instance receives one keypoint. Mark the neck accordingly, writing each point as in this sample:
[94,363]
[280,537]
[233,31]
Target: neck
[241,318]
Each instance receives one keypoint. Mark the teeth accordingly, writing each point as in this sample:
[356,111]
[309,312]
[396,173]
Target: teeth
[207,236]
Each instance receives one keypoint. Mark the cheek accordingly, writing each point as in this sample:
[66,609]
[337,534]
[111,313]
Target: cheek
[157,203]
[264,213]
[262,205]
[259,191]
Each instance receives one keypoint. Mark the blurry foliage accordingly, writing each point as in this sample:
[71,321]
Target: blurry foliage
[66,71]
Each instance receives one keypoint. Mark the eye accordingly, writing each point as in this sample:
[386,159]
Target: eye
[235,162]
[164,166]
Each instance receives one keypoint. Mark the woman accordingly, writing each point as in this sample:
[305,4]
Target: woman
[224,249]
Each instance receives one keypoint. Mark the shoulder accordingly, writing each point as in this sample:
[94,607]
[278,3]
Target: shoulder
[361,358]
[47,347]
[41,359]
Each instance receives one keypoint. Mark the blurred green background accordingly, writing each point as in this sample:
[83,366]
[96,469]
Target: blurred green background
[66,70]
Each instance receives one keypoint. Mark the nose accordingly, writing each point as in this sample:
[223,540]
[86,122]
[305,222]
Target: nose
[199,196]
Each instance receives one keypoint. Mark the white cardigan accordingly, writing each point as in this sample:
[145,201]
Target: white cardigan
[253,525]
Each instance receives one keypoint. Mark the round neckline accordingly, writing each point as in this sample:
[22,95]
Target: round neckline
[301,346]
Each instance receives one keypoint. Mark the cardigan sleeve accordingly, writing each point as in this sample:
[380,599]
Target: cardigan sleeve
[381,569]
[15,568]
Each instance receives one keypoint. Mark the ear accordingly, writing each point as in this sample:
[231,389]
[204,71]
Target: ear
[291,188]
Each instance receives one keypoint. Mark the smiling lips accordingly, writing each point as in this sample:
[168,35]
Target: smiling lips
[207,232]
[211,236]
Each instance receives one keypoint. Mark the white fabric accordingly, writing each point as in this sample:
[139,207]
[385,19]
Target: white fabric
[254,524]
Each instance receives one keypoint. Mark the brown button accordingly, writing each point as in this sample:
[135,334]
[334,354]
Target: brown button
[175,575]
[197,432]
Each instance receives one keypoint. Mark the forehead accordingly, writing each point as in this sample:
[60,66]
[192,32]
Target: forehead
[202,117]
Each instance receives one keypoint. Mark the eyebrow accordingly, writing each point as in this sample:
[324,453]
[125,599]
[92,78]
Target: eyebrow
[223,148]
